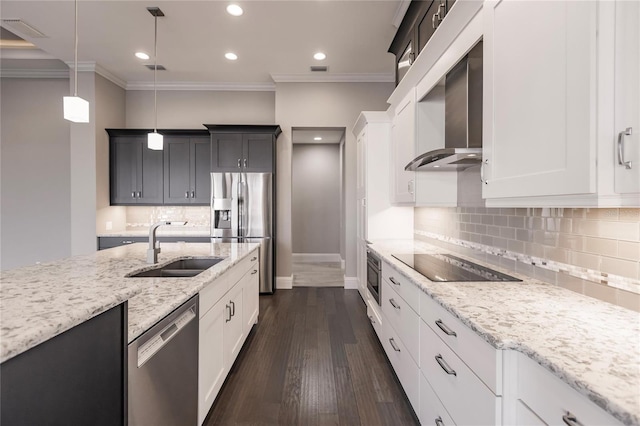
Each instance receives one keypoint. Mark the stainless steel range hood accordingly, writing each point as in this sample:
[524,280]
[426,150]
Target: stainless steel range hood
[463,119]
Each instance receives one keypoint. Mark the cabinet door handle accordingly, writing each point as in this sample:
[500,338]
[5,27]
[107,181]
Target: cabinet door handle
[442,326]
[127,242]
[439,421]
[133,195]
[254,258]
[233,308]
[571,420]
[393,345]
[193,194]
[255,271]
[482,179]
[435,19]
[445,366]
[393,281]
[394,304]
[186,194]
[245,163]
[371,319]
[627,132]
[239,165]
[229,309]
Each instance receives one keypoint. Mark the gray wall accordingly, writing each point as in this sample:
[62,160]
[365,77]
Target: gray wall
[192,109]
[321,105]
[315,210]
[35,224]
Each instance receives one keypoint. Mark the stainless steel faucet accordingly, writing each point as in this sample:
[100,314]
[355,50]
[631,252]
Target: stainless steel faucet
[154,246]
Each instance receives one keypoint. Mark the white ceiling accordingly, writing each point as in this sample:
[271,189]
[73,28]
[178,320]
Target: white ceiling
[307,135]
[275,40]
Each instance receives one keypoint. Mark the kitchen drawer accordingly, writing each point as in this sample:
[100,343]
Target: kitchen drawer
[402,318]
[550,398]
[432,412]
[480,356]
[409,291]
[524,415]
[462,393]
[406,369]
[210,295]
[373,312]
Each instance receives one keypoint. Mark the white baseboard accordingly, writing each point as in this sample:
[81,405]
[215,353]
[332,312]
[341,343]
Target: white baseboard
[316,257]
[350,283]
[284,283]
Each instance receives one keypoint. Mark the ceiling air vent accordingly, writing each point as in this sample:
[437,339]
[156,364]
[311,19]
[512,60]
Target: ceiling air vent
[160,67]
[22,28]
[318,68]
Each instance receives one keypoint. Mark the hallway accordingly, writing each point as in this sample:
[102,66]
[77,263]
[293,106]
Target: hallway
[313,359]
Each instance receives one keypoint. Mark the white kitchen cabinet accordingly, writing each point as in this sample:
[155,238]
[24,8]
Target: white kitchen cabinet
[627,96]
[403,319]
[403,150]
[553,401]
[560,85]
[432,412]
[228,309]
[376,217]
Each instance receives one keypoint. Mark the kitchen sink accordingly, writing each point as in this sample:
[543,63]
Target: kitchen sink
[180,268]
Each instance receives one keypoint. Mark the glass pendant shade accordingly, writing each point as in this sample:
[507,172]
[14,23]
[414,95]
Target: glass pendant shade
[76,109]
[154,141]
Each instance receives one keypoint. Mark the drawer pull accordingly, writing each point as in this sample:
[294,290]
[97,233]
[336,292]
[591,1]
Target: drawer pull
[393,345]
[394,304]
[445,366]
[371,319]
[127,242]
[393,281]
[233,308]
[255,271]
[254,258]
[439,421]
[446,329]
[229,309]
[571,420]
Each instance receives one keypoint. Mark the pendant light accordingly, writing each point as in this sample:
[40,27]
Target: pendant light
[155,139]
[75,108]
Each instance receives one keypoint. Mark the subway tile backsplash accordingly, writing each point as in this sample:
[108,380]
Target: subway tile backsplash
[142,217]
[592,251]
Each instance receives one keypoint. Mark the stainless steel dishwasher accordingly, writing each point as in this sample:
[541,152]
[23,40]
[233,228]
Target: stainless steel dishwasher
[163,371]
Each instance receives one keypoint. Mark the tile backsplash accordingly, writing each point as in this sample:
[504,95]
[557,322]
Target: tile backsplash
[143,217]
[588,250]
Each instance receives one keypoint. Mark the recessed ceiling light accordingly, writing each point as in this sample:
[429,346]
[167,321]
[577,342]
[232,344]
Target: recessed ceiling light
[435,167]
[471,155]
[319,56]
[231,56]
[142,55]
[234,10]
[317,138]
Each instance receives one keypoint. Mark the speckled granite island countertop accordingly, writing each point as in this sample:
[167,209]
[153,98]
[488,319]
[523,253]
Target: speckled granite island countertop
[41,301]
[591,345]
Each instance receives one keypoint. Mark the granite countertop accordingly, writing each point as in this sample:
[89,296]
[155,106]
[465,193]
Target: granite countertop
[591,345]
[41,301]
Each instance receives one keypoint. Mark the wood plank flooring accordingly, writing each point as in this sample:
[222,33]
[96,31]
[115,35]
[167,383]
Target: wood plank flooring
[312,359]
[318,274]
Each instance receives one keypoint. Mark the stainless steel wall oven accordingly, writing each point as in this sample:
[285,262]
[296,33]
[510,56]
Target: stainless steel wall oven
[374,275]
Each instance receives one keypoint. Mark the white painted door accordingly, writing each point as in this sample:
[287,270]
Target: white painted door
[211,366]
[539,124]
[627,97]
[403,150]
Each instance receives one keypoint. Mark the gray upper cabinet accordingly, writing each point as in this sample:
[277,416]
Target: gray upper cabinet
[136,171]
[243,148]
[186,170]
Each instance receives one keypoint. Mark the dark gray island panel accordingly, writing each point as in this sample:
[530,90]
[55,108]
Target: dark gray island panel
[76,378]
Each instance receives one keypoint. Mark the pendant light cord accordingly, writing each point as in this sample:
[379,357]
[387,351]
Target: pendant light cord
[155,71]
[75,60]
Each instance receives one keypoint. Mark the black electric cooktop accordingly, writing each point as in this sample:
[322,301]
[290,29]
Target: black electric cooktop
[448,268]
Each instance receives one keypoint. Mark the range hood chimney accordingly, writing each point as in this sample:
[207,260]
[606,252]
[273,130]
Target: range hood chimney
[463,119]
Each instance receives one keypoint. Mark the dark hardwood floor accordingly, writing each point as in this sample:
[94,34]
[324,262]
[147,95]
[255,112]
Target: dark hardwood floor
[312,359]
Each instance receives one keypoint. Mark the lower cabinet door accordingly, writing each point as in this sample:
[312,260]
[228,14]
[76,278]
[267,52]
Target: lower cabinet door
[251,284]
[432,412]
[234,334]
[211,365]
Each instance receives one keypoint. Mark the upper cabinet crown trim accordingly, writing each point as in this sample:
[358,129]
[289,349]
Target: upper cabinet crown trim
[244,128]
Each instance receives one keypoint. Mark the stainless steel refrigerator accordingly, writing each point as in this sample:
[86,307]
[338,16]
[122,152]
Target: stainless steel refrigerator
[242,206]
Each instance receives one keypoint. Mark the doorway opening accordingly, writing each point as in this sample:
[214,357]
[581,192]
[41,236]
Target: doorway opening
[317,206]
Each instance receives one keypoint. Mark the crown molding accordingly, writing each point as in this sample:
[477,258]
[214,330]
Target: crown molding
[403,5]
[222,87]
[34,73]
[334,78]
[90,66]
